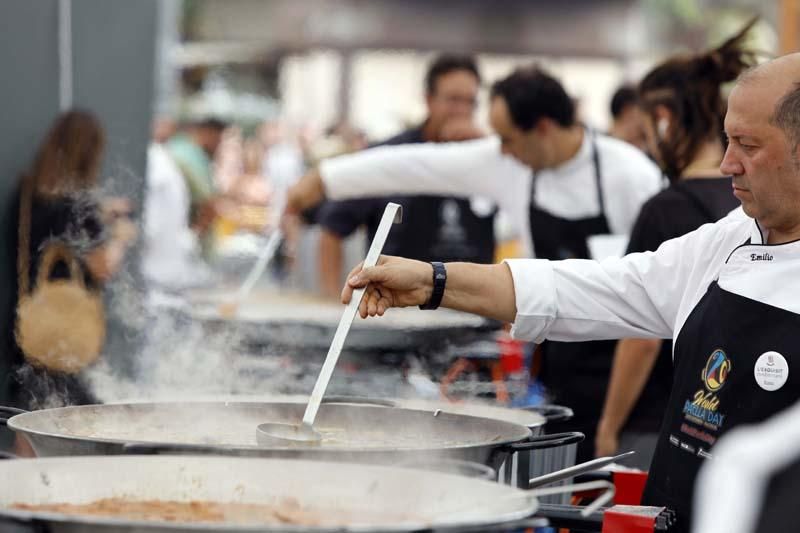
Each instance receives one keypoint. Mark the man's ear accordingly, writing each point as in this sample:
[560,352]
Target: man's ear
[544,126]
[428,100]
[796,155]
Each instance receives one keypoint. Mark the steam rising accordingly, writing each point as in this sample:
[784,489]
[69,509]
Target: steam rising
[172,356]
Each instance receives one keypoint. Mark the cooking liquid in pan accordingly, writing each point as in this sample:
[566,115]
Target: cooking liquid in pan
[344,428]
[332,437]
[288,512]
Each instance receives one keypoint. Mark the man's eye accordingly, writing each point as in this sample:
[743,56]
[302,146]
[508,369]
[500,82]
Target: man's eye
[744,145]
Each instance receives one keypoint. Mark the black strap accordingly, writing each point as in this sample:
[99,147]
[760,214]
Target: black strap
[598,176]
[439,282]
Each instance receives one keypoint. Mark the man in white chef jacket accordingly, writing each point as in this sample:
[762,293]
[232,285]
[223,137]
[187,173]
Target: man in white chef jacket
[538,142]
[727,292]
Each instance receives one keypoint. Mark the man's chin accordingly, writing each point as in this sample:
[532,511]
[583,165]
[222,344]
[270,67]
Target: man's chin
[749,209]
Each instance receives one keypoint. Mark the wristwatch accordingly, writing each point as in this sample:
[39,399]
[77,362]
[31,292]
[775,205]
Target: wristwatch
[439,281]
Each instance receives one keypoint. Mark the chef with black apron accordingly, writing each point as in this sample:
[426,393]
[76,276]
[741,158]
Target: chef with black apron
[728,293]
[434,227]
[450,228]
[574,373]
[581,178]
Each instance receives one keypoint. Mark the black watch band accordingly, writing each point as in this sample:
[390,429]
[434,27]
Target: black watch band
[439,281]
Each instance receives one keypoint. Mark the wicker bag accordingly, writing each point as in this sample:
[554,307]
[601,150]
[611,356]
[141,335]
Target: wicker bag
[60,323]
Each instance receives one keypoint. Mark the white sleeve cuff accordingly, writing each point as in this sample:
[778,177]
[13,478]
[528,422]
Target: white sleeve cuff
[535,292]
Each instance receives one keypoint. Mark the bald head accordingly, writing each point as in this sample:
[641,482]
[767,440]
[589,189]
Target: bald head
[778,81]
[774,70]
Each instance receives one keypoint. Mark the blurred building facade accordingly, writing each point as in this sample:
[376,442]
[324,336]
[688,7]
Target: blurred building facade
[323,61]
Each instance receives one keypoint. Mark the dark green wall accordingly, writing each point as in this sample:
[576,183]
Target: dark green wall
[113,56]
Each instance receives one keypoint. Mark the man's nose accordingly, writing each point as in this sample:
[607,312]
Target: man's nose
[731,165]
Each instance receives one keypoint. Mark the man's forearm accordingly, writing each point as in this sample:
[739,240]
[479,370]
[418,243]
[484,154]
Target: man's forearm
[306,193]
[486,290]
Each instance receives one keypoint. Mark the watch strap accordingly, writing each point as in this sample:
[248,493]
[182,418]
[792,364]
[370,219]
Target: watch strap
[439,282]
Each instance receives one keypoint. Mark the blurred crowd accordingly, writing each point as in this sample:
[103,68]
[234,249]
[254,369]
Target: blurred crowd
[209,179]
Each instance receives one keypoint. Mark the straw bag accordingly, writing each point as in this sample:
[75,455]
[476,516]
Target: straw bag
[60,323]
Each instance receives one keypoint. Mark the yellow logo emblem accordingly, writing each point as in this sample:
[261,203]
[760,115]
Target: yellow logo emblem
[716,371]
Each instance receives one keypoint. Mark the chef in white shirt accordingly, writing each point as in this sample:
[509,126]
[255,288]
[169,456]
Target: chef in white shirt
[728,293]
[541,160]
[558,182]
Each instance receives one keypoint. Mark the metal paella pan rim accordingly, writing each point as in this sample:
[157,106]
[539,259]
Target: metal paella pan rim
[274,307]
[169,422]
[437,499]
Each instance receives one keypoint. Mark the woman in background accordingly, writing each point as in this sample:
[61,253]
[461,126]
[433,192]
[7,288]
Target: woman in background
[683,106]
[57,203]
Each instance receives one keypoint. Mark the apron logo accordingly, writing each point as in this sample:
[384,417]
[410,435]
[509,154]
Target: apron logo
[451,229]
[716,371]
[702,418]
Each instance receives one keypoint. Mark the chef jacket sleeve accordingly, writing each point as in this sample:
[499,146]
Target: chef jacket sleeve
[463,169]
[634,296]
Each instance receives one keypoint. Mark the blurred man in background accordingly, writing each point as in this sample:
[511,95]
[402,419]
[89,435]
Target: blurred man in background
[626,118]
[170,252]
[433,226]
[193,150]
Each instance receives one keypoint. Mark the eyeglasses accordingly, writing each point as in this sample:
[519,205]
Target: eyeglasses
[452,99]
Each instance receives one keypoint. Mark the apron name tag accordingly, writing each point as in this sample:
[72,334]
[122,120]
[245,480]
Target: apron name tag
[771,371]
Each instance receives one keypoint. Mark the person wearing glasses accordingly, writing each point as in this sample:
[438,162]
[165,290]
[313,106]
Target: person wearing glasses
[459,229]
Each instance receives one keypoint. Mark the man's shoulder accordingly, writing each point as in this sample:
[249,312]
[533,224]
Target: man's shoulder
[409,136]
[729,231]
[624,158]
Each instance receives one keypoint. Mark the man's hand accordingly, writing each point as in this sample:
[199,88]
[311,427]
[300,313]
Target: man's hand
[306,193]
[393,282]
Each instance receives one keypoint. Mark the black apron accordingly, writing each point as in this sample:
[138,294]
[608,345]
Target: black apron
[443,229]
[574,373]
[715,387]
[434,228]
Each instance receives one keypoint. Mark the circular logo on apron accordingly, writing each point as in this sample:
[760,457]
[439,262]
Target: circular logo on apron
[716,370]
[771,371]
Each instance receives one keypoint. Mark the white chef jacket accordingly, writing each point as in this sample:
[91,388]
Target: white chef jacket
[651,294]
[478,168]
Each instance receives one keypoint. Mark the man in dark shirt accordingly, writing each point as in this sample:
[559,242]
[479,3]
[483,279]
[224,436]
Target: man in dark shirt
[433,227]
